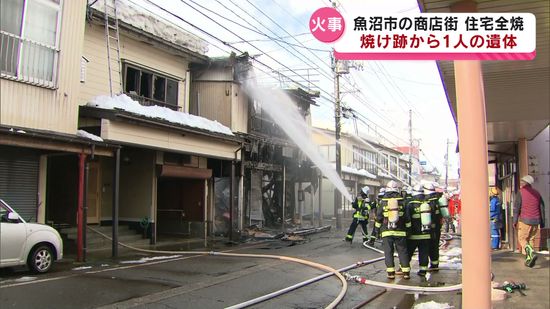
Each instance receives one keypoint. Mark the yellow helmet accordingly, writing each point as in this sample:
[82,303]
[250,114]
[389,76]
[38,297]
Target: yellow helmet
[493,191]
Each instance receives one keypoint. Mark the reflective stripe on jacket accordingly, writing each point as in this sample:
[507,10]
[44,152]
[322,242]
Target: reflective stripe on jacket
[413,207]
[382,221]
[362,209]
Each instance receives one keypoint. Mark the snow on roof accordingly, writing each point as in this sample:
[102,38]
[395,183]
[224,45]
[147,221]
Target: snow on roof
[362,172]
[84,134]
[124,102]
[149,22]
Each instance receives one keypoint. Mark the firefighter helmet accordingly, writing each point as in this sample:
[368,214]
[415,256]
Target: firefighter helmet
[417,190]
[392,186]
[428,188]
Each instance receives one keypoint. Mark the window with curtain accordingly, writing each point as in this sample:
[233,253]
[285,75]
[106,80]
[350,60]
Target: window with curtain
[29,40]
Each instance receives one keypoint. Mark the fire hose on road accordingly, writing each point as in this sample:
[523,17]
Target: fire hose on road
[330,272]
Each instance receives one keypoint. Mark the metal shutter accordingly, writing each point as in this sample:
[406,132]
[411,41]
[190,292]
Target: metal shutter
[19,180]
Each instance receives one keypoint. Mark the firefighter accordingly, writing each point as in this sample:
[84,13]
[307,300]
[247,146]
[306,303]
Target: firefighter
[432,198]
[421,224]
[392,222]
[362,207]
[406,193]
[374,206]
[495,208]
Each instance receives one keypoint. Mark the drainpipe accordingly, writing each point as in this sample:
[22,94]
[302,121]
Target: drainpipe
[85,204]
[187,98]
[515,190]
[284,195]
[80,209]
[320,188]
[231,198]
[116,179]
[85,210]
[300,201]
[312,195]
[241,192]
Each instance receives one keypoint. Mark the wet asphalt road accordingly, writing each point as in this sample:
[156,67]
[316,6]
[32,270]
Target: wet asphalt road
[198,281]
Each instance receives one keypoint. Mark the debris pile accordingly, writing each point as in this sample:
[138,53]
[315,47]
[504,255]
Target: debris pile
[257,233]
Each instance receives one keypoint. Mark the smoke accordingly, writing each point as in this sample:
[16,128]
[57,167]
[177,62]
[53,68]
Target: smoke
[285,113]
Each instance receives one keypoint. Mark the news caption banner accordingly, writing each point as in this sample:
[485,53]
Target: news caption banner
[426,36]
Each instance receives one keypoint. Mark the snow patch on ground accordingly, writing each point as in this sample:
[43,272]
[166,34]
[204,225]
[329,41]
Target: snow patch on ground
[148,259]
[125,103]
[84,134]
[82,268]
[456,251]
[432,305]
[446,265]
[25,279]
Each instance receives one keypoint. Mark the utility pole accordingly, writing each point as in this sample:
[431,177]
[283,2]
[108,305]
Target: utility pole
[447,166]
[337,117]
[410,146]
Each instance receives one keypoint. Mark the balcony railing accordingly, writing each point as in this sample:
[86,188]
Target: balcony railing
[152,102]
[28,61]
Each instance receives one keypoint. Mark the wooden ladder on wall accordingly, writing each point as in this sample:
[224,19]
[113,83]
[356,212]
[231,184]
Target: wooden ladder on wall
[112,38]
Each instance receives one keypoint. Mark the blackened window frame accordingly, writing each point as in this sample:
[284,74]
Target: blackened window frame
[170,97]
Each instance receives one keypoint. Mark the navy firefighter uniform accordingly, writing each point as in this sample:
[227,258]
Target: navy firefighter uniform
[392,222]
[374,206]
[419,236]
[433,199]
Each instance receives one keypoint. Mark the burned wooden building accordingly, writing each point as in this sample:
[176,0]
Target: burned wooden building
[278,177]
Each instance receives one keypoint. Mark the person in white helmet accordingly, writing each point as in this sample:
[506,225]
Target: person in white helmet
[432,198]
[420,234]
[528,216]
[373,234]
[392,222]
[362,206]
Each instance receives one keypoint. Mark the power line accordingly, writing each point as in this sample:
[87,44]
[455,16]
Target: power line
[290,35]
[268,39]
[282,28]
[234,48]
[238,36]
[399,90]
[355,95]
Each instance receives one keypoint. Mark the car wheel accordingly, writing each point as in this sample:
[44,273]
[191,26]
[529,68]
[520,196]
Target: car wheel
[41,259]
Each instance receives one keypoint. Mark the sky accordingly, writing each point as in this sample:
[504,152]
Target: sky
[276,34]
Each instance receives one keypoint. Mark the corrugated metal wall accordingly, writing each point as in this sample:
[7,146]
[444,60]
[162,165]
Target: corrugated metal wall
[212,100]
[19,180]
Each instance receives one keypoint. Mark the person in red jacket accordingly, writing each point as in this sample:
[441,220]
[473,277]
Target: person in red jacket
[528,216]
[454,209]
